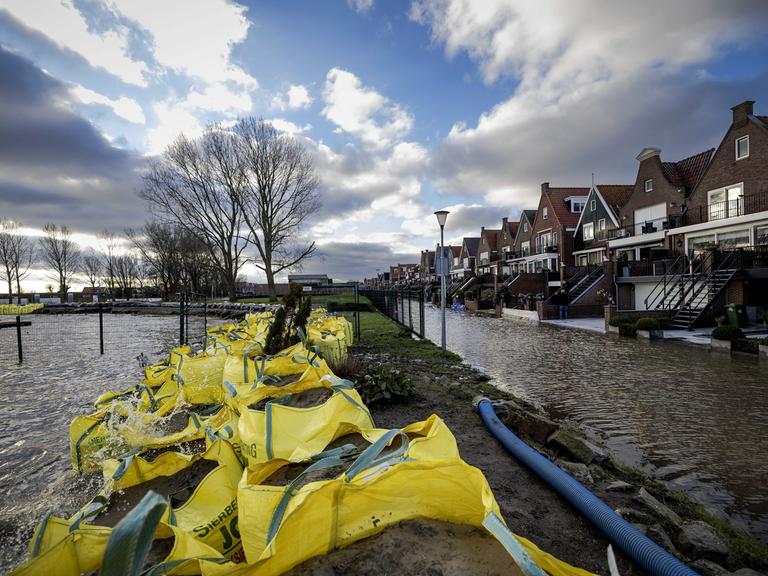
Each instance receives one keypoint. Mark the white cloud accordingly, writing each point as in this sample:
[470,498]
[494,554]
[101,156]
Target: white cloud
[361,6]
[63,23]
[297,96]
[220,98]
[289,127]
[362,111]
[596,82]
[174,121]
[193,38]
[125,107]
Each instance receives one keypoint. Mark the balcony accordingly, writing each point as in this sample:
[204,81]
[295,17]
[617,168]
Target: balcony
[727,209]
[546,249]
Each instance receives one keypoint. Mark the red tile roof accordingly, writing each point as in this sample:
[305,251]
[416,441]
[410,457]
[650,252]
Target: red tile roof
[686,173]
[615,195]
[491,238]
[456,251]
[512,228]
[562,208]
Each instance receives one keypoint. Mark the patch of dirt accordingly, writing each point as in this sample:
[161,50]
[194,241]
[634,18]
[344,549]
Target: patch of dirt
[284,380]
[290,472]
[416,548]
[178,487]
[190,448]
[158,552]
[306,399]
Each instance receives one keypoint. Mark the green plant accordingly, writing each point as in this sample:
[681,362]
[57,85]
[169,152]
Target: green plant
[722,320]
[749,345]
[302,314]
[763,341]
[348,367]
[502,294]
[619,320]
[647,323]
[274,341]
[627,329]
[381,384]
[727,333]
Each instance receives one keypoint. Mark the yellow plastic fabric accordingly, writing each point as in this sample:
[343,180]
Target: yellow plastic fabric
[243,369]
[18,309]
[294,433]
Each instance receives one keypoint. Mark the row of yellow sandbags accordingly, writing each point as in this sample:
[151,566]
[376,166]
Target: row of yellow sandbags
[18,309]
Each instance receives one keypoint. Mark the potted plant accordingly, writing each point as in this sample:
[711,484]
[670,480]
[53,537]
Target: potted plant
[649,328]
[722,337]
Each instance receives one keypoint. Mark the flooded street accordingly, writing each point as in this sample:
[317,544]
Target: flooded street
[61,376]
[694,419]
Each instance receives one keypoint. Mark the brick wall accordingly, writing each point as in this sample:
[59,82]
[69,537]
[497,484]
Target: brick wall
[725,170]
[734,292]
[552,311]
[528,283]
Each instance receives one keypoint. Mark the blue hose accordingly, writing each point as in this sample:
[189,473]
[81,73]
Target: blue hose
[648,555]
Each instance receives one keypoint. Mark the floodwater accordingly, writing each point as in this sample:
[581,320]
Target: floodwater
[694,419]
[62,374]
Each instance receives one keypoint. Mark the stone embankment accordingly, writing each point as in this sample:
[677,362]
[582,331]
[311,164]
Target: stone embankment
[235,311]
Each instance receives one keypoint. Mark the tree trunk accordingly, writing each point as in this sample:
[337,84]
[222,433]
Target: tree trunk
[10,288]
[271,283]
[18,291]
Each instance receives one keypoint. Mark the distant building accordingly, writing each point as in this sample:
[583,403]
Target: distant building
[310,279]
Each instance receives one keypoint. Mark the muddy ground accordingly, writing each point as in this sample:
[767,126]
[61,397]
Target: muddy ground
[445,386]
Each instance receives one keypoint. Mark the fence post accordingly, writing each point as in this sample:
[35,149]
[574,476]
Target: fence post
[205,322]
[181,318]
[410,313]
[421,313]
[186,318]
[101,329]
[18,339]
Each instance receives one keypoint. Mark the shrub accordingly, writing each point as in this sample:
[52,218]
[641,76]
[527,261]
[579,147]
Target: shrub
[763,341]
[627,329]
[664,322]
[748,345]
[727,333]
[349,367]
[382,384]
[501,295]
[619,320]
[274,341]
[646,323]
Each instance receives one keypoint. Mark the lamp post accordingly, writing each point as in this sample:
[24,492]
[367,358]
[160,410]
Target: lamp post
[442,216]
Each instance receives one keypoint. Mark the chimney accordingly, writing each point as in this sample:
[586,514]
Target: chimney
[504,221]
[647,153]
[544,187]
[741,111]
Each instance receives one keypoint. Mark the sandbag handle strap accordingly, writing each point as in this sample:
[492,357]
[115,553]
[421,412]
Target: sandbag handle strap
[370,458]
[499,530]
[125,461]
[44,524]
[282,505]
[89,511]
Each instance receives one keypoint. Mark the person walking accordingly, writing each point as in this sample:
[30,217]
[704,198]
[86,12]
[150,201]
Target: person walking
[564,301]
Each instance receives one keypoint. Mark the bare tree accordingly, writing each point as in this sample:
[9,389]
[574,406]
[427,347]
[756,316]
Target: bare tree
[278,195]
[8,235]
[126,274]
[109,254]
[185,187]
[92,268]
[61,255]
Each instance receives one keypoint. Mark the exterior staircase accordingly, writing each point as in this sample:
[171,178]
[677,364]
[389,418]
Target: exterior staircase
[581,281]
[691,286]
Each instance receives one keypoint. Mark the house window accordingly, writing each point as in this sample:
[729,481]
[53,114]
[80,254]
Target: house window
[725,203]
[593,205]
[761,235]
[601,224]
[525,226]
[577,206]
[545,213]
[649,185]
[734,239]
[742,147]
[588,231]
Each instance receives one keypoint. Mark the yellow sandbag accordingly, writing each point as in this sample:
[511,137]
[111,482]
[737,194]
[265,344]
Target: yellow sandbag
[211,513]
[156,374]
[200,377]
[294,433]
[299,522]
[243,369]
[90,437]
[55,549]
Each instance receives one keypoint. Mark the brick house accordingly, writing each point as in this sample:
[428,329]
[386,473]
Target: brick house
[521,248]
[729,206]
[487,251]
[427,265]
[467,258]
[552,235]
[506,245]
[656,204]
[600,219]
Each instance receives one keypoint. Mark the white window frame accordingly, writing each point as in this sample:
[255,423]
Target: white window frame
[588,226]
[525,226]
[745,139]
[593,205]
[729,203]
[649,185]
[545,212]
[577,206]
[601,225]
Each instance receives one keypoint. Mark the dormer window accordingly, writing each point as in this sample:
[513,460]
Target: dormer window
[577,206]
[742,147]
[545,213]
[649,185]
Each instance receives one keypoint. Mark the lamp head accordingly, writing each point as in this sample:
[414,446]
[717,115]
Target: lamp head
[442,216]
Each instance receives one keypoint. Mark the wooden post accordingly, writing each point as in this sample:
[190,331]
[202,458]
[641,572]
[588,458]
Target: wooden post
[18,338]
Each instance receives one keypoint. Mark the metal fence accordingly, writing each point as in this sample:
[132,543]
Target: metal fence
[404,306]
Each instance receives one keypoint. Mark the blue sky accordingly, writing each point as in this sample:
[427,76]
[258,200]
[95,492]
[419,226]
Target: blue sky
[407,107]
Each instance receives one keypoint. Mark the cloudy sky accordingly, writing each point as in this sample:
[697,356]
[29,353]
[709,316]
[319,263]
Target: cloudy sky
[407,107]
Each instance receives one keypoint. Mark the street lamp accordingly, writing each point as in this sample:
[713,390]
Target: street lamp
[442,216]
